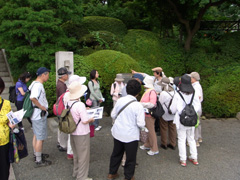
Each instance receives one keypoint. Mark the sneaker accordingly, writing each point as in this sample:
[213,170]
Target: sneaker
[200,140]
[194,161]
[183,163]
[144,148]
[197,144]
[44,156]
[98,128]
[70,156]
[43,163]
[151,153]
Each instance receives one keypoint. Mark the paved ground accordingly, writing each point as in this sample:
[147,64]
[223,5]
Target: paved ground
[219,157]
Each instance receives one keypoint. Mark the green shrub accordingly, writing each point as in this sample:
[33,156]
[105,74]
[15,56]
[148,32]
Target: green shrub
[108,63]
[150,51]
[221,99]
[98,23]
[98,40]
[50,88]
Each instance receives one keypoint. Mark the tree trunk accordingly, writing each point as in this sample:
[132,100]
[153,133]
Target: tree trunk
[188,41]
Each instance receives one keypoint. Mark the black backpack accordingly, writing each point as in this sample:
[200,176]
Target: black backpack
[12,94]
[157,111]
[188,117]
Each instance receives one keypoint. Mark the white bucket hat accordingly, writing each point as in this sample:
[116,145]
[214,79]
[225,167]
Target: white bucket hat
[148,81]
[76,90]
[77,78]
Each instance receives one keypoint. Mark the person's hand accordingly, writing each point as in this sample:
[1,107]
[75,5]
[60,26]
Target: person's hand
[100,100]
[133,72]
[91,120]
[12,126]
[43,108]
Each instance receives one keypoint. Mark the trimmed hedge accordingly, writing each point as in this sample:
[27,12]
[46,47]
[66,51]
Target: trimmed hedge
[98,23]
[150,51]
[98,40]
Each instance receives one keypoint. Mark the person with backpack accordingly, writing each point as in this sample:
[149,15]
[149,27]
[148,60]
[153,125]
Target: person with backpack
[129,118]
[167,128]
[39,116]
[20,89]
[61,87]
[185,104]
[5,108]
[195,78]
[80,138]
[149,100]
[95,94]
[116,88]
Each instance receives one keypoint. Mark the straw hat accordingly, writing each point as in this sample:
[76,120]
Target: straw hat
[148,81]
[77,78]
[119,77]
[158,69]
[185,84]
[76,90]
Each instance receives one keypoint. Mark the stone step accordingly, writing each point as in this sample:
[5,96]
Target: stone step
[6,79]
[8,84]
[5,95]
[3,67]
[4,74]
[6,91]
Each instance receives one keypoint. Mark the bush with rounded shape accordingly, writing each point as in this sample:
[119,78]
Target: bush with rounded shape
[222,97]
[150,51]
[98,23]
[50,89]
[108,63]
[98,40]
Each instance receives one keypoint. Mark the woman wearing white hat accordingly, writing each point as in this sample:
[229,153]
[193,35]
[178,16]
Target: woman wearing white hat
[149,100]
[116,88]
[80,138]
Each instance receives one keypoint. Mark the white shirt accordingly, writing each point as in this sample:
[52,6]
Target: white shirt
[38,92]
[128,122]
[198,88]
[165,100]
[178,105]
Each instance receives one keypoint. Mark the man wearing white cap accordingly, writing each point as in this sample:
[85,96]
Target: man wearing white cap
[195,78]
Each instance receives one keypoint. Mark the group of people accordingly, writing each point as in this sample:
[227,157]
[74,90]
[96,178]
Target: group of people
[129,115]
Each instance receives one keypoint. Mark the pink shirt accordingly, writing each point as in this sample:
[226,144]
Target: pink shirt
[79,111]
[150,96]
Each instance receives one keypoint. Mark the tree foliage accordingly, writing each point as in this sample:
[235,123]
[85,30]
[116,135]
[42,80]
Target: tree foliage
[31,31]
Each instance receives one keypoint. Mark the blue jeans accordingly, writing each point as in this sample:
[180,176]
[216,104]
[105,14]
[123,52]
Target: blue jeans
[95,103]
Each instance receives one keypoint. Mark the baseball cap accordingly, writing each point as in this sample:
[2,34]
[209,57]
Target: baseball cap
[42,70]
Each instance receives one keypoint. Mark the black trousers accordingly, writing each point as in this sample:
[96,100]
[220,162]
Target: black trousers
[19,105]
[117,154]
[4,162]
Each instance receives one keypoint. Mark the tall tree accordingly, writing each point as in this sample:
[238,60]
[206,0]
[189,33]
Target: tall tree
[31,32]
[188,10]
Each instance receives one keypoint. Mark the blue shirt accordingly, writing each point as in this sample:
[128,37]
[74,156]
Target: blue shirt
[22,85]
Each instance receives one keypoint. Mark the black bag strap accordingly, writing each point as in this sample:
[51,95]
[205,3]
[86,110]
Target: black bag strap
[1,104]
[170,100]
[124,107]
[184,99]
[70,109]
